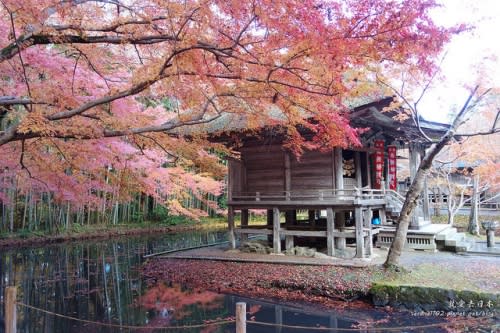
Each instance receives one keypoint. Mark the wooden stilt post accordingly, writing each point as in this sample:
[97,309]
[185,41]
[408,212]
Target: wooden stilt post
[340,243]
[276,231]
[358,217]
[10,310]
[230,222]
[289,243]
[269,224]
[330,227]
[369,237]
[244,223]
[290,219]
[241,317]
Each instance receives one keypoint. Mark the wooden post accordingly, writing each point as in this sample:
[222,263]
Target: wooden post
[357,164]
[278,318]
[269,224]
[339,170]
[340,243]
[330,227]
[358,218]
[241,317]
[10,310]
[289,242]
[244,223]
[382,216]
[276,231]
[230,222]
[288,176]
[368,170]
[368,239]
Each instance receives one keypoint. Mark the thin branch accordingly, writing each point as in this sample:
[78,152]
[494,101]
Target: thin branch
[11,15]
[74,72]
[138,54]
[494,129]
[175,157]
[21,159]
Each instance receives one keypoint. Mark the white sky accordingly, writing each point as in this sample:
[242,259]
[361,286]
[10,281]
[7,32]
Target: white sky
[470,56]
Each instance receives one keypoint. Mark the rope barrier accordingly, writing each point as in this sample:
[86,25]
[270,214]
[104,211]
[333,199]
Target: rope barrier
[252,322]
[372,329]
[221,322]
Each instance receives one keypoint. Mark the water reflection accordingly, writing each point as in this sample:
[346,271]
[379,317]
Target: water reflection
[101,282]
[175,305]
[95,281]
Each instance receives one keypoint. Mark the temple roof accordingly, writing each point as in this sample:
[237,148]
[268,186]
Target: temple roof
[365,113]
[390,124]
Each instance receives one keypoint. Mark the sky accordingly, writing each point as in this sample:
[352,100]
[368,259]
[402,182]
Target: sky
[469,56]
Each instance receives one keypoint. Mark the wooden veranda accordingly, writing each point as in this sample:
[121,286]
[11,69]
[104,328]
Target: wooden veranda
[334,201]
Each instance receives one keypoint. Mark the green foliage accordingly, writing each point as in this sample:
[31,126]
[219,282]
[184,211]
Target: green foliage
[137,217]
[176,220]
[222,201]
[24,233]
[78,228]
[160,213]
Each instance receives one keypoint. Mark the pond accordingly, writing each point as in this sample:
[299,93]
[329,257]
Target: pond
[97,287]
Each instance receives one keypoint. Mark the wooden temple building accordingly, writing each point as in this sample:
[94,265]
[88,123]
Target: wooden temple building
[335,196]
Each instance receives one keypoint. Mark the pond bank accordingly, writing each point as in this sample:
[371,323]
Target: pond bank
[430,281]
[102,233]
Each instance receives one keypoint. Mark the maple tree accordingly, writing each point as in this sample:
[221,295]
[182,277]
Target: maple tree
[98,95]
[472,157]
[478,98]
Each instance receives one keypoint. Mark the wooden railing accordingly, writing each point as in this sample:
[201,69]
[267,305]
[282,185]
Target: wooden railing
[312,195]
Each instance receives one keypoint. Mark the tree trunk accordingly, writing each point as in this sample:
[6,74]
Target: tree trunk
[417,185]
[473,227]
[409,205]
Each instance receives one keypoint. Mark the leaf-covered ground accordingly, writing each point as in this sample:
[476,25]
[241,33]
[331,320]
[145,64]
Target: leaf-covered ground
[330,286]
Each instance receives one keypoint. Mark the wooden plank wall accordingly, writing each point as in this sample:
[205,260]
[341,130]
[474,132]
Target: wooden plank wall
[236,177]
[313,171]
[265,168]
[264,171]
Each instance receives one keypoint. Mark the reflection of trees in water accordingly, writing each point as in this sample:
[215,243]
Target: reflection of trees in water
[94,281]
[177,303]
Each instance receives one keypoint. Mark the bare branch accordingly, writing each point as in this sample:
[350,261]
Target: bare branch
[11,100]
[494,128]
[23,67]
[110,28]
[28,40]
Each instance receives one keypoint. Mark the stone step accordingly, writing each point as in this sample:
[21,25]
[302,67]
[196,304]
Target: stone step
[446,234]
[465,245]
[457,238]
